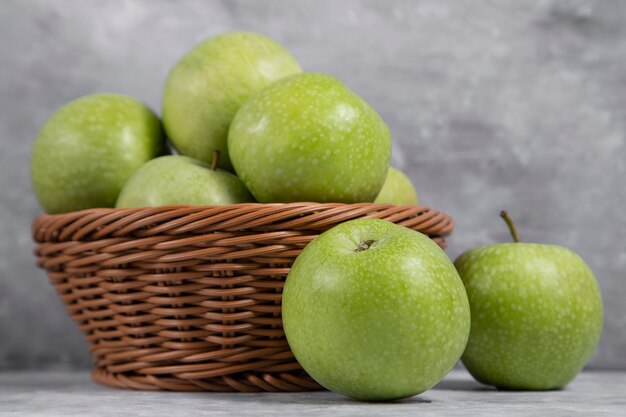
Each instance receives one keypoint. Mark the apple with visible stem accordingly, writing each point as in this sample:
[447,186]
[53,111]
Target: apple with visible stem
[397,189]
[309,138]
[536,314]
[88,148]
[207,86]
[180,180]
[375,311]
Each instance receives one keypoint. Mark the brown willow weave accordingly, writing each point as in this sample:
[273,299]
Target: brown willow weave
[188,298]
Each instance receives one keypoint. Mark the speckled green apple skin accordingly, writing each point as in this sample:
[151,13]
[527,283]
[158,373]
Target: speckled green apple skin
[309,138]
[384,323]
[536,315]
[207,86]
[180,180]
[397,189]
[88,148]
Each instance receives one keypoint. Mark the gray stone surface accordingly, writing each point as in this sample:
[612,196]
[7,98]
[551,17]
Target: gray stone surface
[510,104]
[595,394]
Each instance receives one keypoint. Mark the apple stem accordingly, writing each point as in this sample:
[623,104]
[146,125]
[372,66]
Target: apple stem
[509,223]
[365,245]
[216,159]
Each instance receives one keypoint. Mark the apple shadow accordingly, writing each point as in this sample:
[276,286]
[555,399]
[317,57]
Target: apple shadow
[458,384]
[326,398]
[526,391]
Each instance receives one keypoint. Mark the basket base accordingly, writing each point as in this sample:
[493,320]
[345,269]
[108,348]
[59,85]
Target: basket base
[248,382]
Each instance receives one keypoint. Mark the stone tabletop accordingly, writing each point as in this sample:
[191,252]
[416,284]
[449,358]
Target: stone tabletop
[73,394]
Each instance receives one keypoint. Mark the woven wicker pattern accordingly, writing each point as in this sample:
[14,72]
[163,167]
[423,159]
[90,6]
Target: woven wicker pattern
[188,298]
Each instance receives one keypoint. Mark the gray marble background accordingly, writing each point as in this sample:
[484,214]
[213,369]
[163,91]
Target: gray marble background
[492,104]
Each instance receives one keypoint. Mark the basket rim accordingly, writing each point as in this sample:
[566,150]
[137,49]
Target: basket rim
[245,219]
[226,207]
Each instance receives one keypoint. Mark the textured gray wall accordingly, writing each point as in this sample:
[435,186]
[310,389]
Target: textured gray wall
[492,104]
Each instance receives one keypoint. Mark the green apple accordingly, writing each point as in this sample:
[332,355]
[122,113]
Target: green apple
[207,86]
[536,314]
[397,189]
[375,311]
[180,180]
[88,148]
[309,138]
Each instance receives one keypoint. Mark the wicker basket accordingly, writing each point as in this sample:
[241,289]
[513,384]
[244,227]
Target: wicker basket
[188,298]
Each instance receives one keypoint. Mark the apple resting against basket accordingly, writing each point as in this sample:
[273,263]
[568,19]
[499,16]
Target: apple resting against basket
[372,309]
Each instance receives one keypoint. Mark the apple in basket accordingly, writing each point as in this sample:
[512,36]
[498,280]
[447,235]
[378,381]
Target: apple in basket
[88,148]
[536,314]
[180,180]
[397,189]
[207,86]
[308,137]
[375,311]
